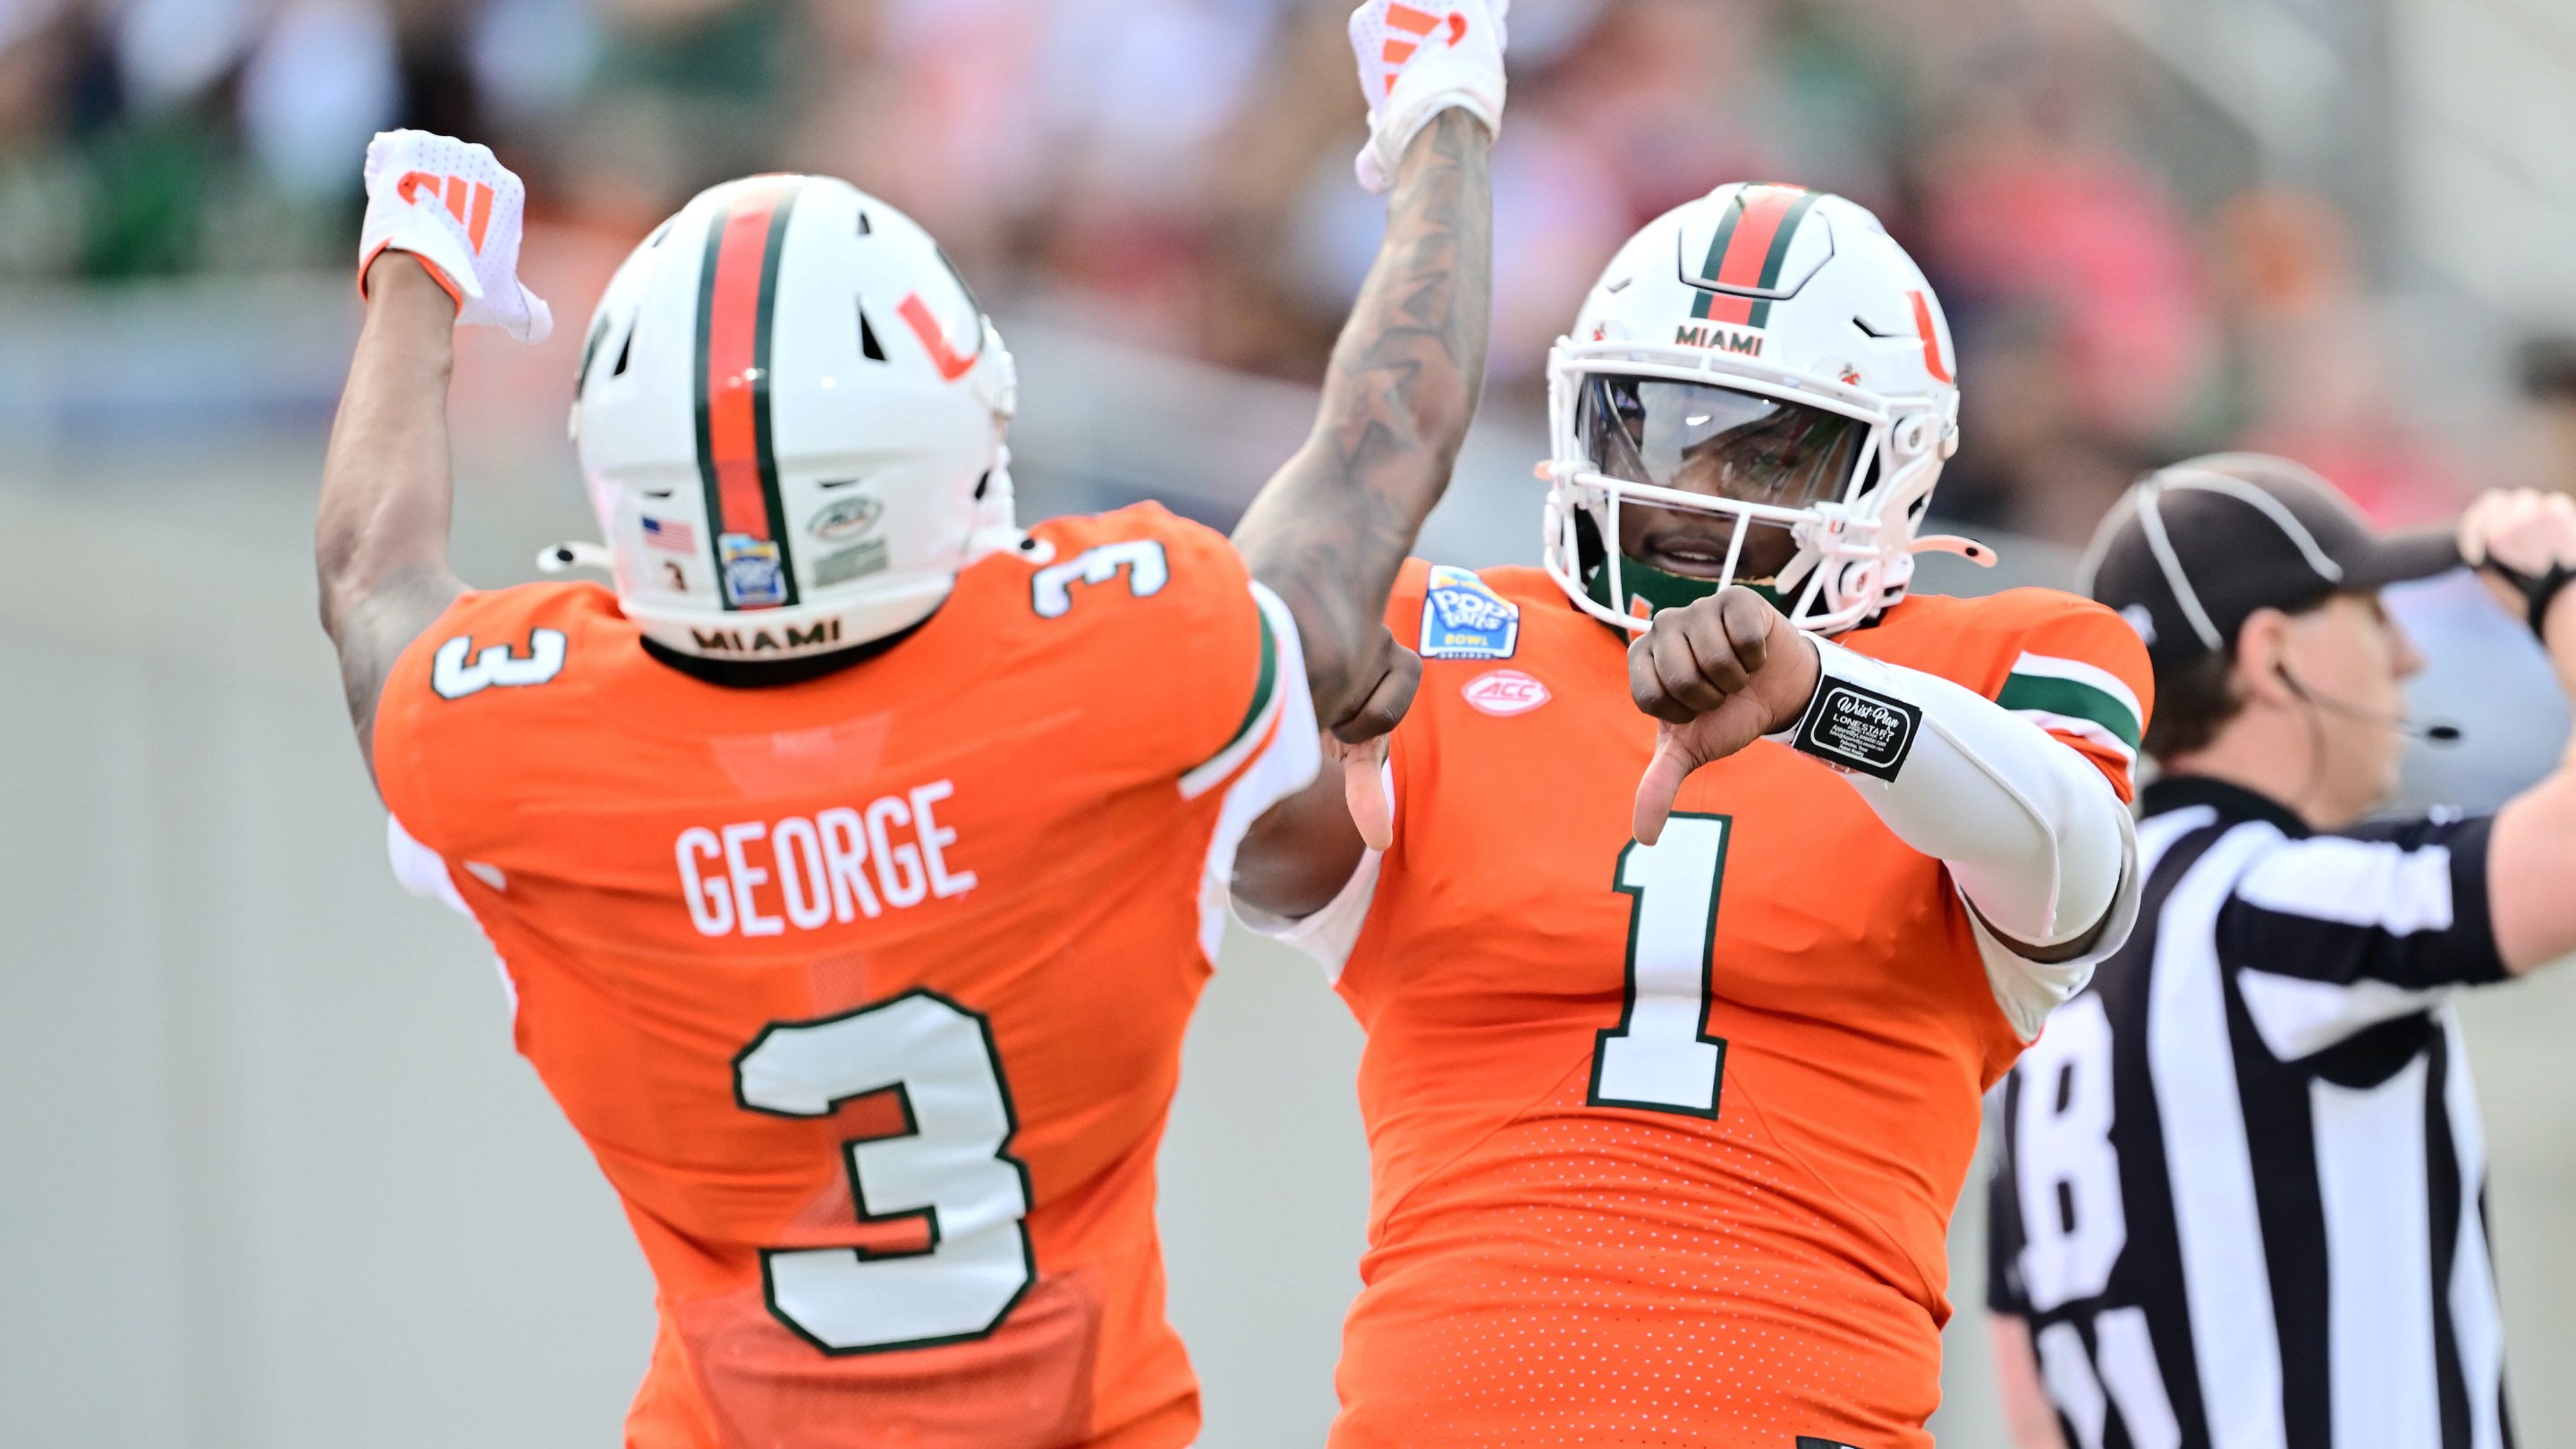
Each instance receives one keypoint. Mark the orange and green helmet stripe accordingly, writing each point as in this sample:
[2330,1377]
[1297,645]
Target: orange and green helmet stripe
[1751,246]
[737,305]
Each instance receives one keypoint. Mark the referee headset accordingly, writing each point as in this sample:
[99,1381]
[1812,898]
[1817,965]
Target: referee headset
[2151,523]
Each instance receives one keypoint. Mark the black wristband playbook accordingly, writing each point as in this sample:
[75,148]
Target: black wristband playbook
[2538,591]
[1853,727]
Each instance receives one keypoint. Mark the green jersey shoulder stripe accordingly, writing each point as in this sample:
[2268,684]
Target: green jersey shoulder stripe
[1256,718]
[2083,729]
[2050,666]
[2073,689]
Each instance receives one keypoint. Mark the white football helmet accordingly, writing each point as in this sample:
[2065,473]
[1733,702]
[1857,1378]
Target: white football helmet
[790,417]
[1770,357]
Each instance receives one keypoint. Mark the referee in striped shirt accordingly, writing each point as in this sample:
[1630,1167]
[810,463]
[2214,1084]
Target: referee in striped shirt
[2240,1197]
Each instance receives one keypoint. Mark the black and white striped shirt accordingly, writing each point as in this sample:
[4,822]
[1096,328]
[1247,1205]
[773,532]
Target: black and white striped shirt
[2240,1195]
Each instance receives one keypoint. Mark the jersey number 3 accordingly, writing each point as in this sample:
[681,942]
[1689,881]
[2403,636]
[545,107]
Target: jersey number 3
[1660,1056]
[953,1168]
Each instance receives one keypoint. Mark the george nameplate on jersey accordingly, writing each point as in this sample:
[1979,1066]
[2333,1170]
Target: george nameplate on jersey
[1854,728]
[1463,618]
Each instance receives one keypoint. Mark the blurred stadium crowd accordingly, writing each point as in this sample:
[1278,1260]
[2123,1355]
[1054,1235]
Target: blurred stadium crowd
[1175,173]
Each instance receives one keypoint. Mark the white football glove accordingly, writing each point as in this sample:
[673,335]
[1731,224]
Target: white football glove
[1416,63]
[457,208]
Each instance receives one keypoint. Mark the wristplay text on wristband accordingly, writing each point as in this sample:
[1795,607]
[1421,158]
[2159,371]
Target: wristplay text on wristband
[1853,727]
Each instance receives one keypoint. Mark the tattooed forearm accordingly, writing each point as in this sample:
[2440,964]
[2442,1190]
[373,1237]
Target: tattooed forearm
[1332,528]
[380,531]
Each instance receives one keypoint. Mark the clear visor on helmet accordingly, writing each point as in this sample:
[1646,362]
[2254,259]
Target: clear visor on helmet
[1694,437]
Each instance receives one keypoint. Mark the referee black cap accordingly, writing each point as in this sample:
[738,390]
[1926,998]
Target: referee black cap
[2192,550]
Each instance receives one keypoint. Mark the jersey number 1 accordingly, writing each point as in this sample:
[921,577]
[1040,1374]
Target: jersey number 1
[952,1168]
[1660,1056]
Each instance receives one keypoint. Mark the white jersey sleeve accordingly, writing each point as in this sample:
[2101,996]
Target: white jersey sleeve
[1329,934]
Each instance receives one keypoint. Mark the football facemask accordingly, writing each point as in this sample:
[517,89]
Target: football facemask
[1700,486]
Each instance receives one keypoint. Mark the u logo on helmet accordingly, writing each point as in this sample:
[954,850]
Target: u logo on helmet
[1931,336]
[934,339]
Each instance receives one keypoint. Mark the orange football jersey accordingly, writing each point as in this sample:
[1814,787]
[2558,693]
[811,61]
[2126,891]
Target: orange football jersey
[867,993]
[1665,1139]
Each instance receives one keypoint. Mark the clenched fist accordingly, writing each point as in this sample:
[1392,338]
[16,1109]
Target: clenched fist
[458,209]
[1718,674]
[1416,63]
[2522,542]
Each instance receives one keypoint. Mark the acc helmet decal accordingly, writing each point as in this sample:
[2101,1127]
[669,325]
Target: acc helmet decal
[846,518]
[1463,618]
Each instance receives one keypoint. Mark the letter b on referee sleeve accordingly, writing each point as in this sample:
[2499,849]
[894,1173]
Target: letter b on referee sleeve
[2073,1226]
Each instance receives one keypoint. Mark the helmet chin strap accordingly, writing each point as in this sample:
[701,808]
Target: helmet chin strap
[1660,589]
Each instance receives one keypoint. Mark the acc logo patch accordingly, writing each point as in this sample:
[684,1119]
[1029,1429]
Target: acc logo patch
[1462,618]
[1504,693]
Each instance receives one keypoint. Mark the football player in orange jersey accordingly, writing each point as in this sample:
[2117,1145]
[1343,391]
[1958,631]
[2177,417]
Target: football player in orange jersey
[1678,1019]
[856,861]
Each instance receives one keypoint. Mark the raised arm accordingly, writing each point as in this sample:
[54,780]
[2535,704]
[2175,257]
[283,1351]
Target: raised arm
[439,248]
[1330,530]
[2525,545]
[380,542]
